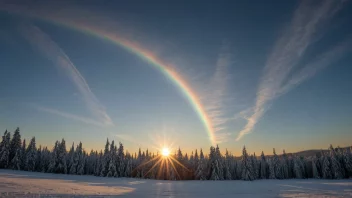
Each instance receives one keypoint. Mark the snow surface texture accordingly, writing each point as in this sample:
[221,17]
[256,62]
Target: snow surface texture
[32,184]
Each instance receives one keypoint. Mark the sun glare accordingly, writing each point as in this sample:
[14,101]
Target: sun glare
[165,152]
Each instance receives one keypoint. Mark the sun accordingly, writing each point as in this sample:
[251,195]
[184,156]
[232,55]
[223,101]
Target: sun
[165,152]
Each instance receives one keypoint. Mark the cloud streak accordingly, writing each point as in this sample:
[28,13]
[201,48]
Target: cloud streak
[215,94]
[287,53]
[53,52]
[70,116]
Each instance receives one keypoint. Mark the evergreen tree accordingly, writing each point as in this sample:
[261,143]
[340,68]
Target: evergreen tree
[277,166]
[70,157]
[31,155]
[298,168]
[90,164]
[263,167]
[347,157]
[213,165]
[326,167]
[335,164]
[196,161]
[5,150]
[253,159]
[98,167]
[81,161]
[200,171]
[120,160]
[285,166]
[53,158]
[128,171]
[112,164]
[45,160]
[61,166]
[78,163]
[220,167]
[272,174]
[23,155]
[316,174]
[247,169]
[38,159]
[105,160]
[16,160]
[15,143]
[227,165]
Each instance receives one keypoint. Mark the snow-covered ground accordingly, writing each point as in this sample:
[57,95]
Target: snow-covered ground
[31,184]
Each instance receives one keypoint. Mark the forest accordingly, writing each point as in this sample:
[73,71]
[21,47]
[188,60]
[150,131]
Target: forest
[113,161]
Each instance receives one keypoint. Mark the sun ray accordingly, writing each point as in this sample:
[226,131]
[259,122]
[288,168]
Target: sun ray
[173,166]
[153,166]
[145,163]
[175,160]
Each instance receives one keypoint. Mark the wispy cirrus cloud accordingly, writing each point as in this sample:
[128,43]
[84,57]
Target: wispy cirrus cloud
[215,93]
[304,30]
[69,115]
[53,52]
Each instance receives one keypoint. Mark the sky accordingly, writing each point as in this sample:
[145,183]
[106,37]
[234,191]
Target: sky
[189,74]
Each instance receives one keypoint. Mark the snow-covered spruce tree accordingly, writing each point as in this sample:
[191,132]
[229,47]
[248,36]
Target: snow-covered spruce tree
[38,159]
[105,161]
[172,174]
[246,165]
[285,165]
[179,168]
[90,163]
[255,166]
[23,155]
[120,161]
[326,166]
[70,157]
[200,173]
[297,168]
[235,168]
[227,165]
[315,172]
[16,160]
[31,155]
[112,164]
[128,171]
[45,161]
[74,161]
[15,144]
[5,150]
[138,164]
[213,165]
[271,169]
[53,158]
[191,166]
[335,164]
[218,157]
[232,166]
[277,166]
[347,157]
[81,159]
[195,162]
[85,157]
[61,166]
[340,157]
[98,167]
[263,167]
[3,139]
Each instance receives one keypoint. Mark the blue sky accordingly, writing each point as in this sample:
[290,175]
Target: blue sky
[269,74]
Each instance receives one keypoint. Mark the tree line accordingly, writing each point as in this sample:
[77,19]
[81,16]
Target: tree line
[336,163]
